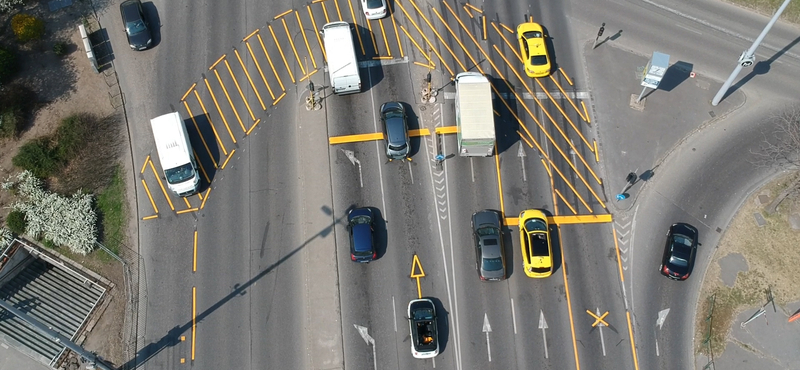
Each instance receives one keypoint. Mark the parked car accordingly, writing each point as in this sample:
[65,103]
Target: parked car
[395,130]
[360,224]
[679,252]
[374,9]
[489,251]
[422,323]
[136,27]
[534,238]
[533,49]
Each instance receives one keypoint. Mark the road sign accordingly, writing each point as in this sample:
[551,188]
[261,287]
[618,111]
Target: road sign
[655,70]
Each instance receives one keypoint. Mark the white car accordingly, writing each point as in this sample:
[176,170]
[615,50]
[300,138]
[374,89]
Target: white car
[423,326]
[374,9]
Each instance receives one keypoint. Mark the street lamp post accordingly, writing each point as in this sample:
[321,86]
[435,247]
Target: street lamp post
[748,56]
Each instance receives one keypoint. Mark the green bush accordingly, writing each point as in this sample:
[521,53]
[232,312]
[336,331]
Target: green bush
[15,221]
[27,27]
[37,156]
[60,48]
[8,64]
[11,123]
[17,102]
[71,136]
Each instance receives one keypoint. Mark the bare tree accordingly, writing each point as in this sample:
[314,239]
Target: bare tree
[782,150]
[8,5]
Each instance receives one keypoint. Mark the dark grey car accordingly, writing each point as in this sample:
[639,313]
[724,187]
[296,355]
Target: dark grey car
[395,130]
[487,232]
[136,27]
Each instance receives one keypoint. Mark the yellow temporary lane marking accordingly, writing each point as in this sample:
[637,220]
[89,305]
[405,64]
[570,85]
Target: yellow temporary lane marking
[319,40]
[250,80]
[210,123]
[214,98]
[325,10]
[456,37]
[430,62]
[428,66]
[271,65]
[227,159]
[303,31]
[186,200]
[309,75]
[144,165]
[371,35]
[396,34]
[150,196]
[230,102]
[278,99]
[260,71]
[569,81]
[158,178]
[202,168]
[205,198]
[145,218]
[419,132]
[447,130]
[417,266]
[253,126]
[567,220]
[483,21]
[541,85]
[280,50]
[633,343]
[355,138]
[507,28]
[186,211]
[385,40]
[239,88]
[430,44]
[291,42]
[282,14]
[510,46]
[355,23]
[586,112]
[337,9]
[499,180]
[189,91]
[521,136]
[468,12]
[596,152]
[194,318]
[616,248]
[571,208]
[217,62]
[194,258]
[569,99]
[473,7]
[598,319]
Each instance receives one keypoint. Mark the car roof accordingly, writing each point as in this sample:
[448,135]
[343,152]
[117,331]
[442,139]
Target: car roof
[396,130]
[485,216]
[362,237]
[130,10]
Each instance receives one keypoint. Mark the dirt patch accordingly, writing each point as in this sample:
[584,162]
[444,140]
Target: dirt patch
[67,85]
[771,257]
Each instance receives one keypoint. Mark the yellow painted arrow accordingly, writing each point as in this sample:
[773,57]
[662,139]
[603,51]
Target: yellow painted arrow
[416,266]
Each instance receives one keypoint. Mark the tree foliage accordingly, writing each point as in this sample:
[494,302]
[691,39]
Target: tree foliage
[15,221]
[8,5]
[27,27]
[8,64]
[64,221]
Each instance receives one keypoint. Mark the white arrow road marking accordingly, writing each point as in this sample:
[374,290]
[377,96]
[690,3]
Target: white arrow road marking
[662,315]
[543,326]
[487,329]
[600,327]
[352,157]
[521,154]
[513,316]
[369,340]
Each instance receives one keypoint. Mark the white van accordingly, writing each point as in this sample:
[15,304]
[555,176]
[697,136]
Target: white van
[175,153]
[341,55]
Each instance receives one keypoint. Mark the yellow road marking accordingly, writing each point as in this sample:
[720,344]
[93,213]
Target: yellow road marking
[260,71]
[269,59]
[214,98]
[325,10]
[567,220]
[355,25]
[278,99]
[455,37]
[558,106]
[145,218]
[228,159]
[202,168]
[337,10]
[150,196]
[417,45]
[253,126]
[419,132]
[524,139]
[194,259]
[428,66]
[250,35]
[252,85]
[230,102]
[144,165]
[596,152]
[568,97]
[473,7]
[371,36]
[194,318]
[308,75]
[213,129]
[574,212]
[468,12]
[186,200]
[483,20]
[633,343]
[430,44]
[280,50]
[282,14]
[303,31]
[598,319]
[416,265]
[217,62]
[447,130]
[507,28]
[616,248]
[189,91]
[354,138]
[205,198]
[319,40]
[385,41]
[513,48]
[235,82]
[586,112]
[396,34]
[158,178]
[565,76]
[291,42]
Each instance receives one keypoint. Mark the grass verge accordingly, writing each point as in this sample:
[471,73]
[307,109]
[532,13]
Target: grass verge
[112,213]
[768,8]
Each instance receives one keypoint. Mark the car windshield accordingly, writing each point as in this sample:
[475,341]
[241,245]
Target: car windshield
[535,224]
[487,230]
[538,60]
[180,174]
[135,27]
[423,314]
[682,239]
[532,35]
[373,4]
[492,264]
[360,220]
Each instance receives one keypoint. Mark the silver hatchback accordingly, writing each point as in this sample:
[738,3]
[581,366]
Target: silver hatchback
[395,130]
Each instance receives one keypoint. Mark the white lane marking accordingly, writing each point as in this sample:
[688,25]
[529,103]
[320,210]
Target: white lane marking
[472,168]
[543,326]
[655,336]
[394,309]
[600,327]
[513,316]
[689,29]
[377,144]
[410,172]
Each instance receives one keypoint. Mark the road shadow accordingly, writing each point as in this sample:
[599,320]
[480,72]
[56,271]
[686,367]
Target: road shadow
[506,127]
[414,142]
[381,232]
[173,336]
[442,323]
[508,247]
[205,147]
[761,68]
[675,75]
[153,21]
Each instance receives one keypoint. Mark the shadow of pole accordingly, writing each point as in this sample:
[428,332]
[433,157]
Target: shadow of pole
[761,68]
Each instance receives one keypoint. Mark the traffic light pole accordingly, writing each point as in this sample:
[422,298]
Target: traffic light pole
[748,56]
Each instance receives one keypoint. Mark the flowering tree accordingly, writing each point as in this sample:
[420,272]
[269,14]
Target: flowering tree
[7,5]
[68,221]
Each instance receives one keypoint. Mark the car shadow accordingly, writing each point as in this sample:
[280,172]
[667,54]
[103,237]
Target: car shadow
[153,21]
[555,242]
[381,234]
[363,47]
[442,323]
[508,247]
[206,151]
[551,49]
[415,142]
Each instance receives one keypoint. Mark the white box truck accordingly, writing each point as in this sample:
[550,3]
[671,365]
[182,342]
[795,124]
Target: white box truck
[341,55]
[474,115]
[175,154]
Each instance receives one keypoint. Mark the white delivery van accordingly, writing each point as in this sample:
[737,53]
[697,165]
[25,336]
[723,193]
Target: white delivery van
[474,115]
[175,154]
[341,55]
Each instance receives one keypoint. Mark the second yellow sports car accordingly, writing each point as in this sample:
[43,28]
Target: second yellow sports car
[534,237]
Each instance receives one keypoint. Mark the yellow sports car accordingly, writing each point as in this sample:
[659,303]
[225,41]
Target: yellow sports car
[534,236]
[533,50]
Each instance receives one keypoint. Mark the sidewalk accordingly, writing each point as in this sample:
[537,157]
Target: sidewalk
[637,141]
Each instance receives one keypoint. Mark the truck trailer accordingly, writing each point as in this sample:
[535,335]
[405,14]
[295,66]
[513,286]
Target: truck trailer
[474,115]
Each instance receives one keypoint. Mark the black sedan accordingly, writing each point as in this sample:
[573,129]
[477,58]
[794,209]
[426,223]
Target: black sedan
[679,252]
[136,27]
[488,235]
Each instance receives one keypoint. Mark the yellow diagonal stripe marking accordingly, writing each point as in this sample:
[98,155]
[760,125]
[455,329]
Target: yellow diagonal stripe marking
[355,138]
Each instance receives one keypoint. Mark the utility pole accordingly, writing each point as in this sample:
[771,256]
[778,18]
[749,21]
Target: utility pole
[94,362]
[748,56]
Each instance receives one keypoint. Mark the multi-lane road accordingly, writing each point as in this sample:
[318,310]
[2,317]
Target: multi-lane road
[254,272]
